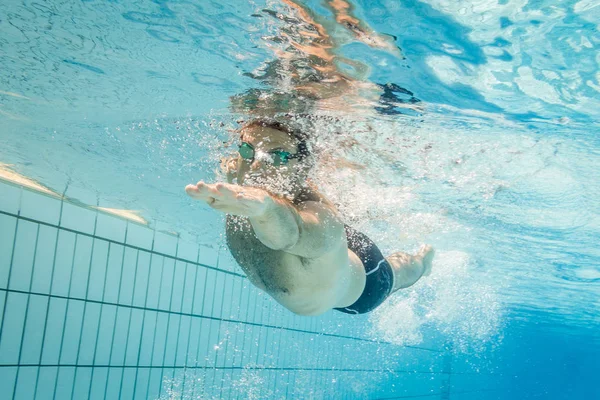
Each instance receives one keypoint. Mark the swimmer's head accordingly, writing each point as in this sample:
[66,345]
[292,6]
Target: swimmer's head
[274,156]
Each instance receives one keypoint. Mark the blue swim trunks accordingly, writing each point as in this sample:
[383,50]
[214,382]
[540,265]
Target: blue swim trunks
[380,276]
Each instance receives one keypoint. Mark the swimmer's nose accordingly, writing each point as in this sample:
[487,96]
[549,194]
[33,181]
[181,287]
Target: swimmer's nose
[259,163]
[261,160]
[256,165]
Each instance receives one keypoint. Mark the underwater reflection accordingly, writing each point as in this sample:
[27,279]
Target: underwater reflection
[310,73]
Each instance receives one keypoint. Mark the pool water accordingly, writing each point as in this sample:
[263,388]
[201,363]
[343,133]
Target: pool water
[472,126]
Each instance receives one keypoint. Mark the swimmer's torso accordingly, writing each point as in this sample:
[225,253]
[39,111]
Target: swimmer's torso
[298,283]
[295,282]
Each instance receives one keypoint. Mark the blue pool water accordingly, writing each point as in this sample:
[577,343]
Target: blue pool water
[470,125]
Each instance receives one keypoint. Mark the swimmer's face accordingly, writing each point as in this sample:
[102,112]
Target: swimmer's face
[267,169]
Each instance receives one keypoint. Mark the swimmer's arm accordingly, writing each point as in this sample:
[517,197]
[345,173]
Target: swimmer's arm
[308,230]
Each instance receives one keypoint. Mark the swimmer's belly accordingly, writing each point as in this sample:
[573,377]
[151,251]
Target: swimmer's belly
[319,288]
[304,286]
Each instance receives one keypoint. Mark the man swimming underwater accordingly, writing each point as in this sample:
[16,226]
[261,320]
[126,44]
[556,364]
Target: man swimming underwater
[293,244]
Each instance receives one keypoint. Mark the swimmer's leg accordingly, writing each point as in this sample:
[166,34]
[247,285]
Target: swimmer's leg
[409,269]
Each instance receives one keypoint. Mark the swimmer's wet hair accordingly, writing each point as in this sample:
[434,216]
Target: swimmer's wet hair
[300,136]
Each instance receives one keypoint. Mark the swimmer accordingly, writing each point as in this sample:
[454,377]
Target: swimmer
[290,240]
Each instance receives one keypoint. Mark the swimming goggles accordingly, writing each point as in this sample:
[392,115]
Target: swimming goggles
[279,157]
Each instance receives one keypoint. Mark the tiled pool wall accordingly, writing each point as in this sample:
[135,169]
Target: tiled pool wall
[95,306]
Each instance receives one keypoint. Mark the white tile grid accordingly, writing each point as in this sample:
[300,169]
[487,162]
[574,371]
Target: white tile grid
[119,337]
[80,265]
[13,322]
[87,339]
[190,288]
[142,279]
[261,309]
[40,207]
[126,383]
[140,236]
[260,335]
[178,286]
[219,296]
[133,336]
[97,382]
[187,251]
[71,334]
[77,218]
[250,303]
[23,387]
[159,339]
[231,297]
[199,295]
[8,229]
[149,328]
[191,351]
[170,347]
[3,299]
[113,383]
[103,346]
[50,336]
[127,278]
[261,350]
[226,347]
[10,198]
[154,281]
[111,227]
[97,274]
[172,340]
[7,379]
[167,280]
[114,272]
[155,382]
[141,383]
[165,243]
[23,256]
[48,378]
[235,298]
[208,256]
[209,294]
[62,263]
[182,341]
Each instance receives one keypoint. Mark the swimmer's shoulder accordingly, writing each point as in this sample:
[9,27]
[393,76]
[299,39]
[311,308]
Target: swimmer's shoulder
[311,193]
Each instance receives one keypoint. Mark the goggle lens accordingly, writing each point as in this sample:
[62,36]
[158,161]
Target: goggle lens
[279,157]
[246,151]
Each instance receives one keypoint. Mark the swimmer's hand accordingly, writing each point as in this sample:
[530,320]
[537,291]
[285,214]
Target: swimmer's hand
[232,199]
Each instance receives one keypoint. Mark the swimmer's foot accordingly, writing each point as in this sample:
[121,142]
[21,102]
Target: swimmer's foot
[408,269]
[426,253]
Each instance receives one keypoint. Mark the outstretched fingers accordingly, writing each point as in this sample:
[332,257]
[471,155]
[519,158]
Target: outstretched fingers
[193,191]
[216,195]
[201,191]
[231,199]
[227,190]
[236,193]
